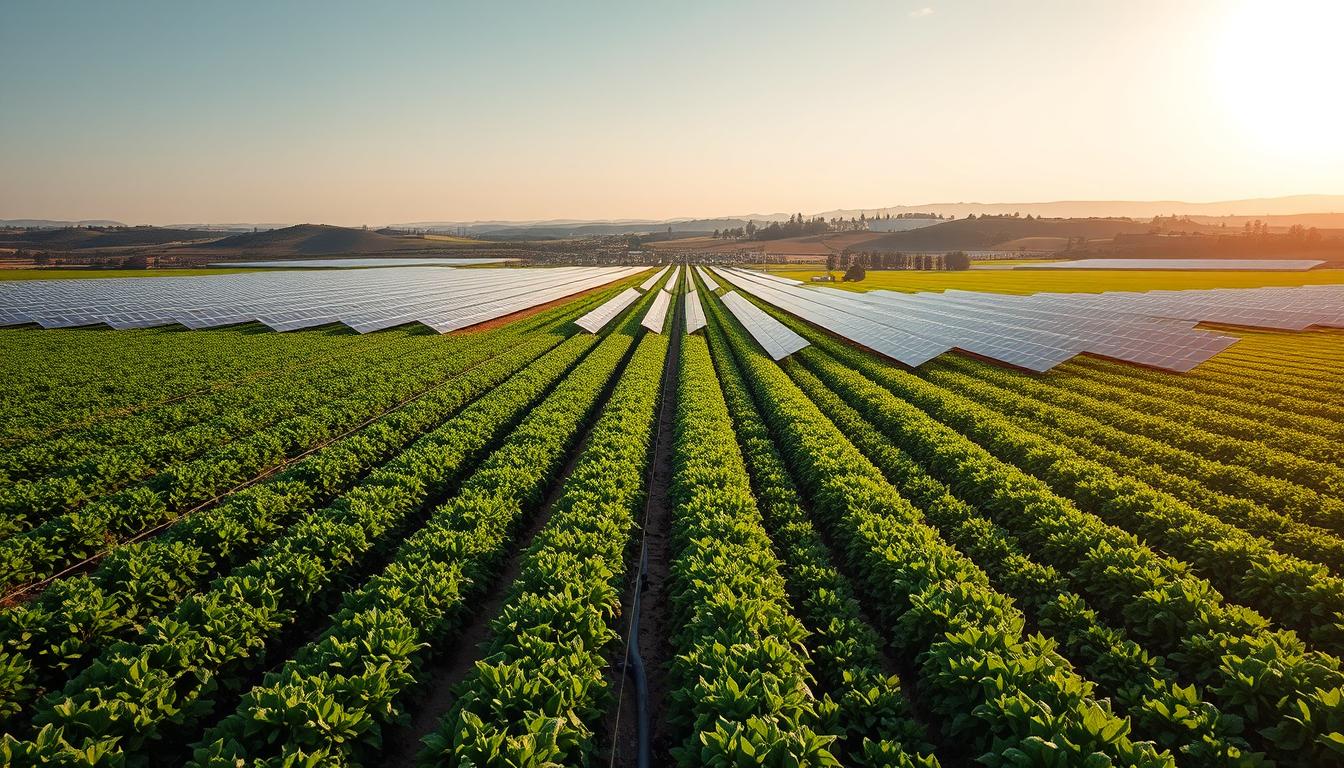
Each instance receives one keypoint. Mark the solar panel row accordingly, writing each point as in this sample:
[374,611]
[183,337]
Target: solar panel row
[695,313]
[442,298]
[653,279]
[597,319]
[778,341]
[1040,331]
[657,314]
[671,284]
[331,263]
[709,281]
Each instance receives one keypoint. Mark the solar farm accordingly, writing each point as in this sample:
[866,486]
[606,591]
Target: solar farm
[470,514]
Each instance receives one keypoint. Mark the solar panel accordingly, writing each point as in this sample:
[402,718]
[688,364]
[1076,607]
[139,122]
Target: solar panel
[336,263]
[653,279]
[777,340]
[597,319]
[709,281]
[672,281]
[657,314]
[695,313]
[442,298]
[1039,331]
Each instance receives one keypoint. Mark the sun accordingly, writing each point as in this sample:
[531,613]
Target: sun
[1280,67]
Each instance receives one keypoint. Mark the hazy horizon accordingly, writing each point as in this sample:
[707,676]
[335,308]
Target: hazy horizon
[162,113]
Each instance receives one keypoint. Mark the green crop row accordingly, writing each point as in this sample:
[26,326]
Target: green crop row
[1185,410]
[873,714]
[1007,698]
[1233,494]
[1142,686]
[1321,395]
[1325,478]
[1301,405]
[74,377]
[151,693]
[330,703]
[44,643]
[97,454]
[46,549]
[1289,696]
[739,688]
[540,691]
[1301,595]
[1252,420]
[174,466]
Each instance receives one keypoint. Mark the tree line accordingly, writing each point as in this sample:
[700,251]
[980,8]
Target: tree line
[856,265]
[799,225]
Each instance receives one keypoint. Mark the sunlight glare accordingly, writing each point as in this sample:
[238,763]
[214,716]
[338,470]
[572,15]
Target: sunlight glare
[1280,68]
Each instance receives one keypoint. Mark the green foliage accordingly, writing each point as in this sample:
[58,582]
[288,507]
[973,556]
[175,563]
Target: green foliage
[874,716]
[434,579]
[1250,670]
[215,639]
[991,688]
[539,693]
[739,686]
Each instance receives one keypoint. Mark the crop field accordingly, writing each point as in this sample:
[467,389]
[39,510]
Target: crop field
[1065,281]
[530,545]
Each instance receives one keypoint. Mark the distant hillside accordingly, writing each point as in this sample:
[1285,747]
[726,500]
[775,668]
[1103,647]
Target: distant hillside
[595,229]
[1135,209]
[1318,220]
[987,232]
[313,240]
[82,238]
[58,223]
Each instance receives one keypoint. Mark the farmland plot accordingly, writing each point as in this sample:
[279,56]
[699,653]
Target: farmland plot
[239,547]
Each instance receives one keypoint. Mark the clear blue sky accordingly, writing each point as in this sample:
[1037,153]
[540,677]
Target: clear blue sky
[183,112]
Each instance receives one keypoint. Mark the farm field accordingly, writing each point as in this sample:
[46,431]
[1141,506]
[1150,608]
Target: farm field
[530,545]
[1034,281]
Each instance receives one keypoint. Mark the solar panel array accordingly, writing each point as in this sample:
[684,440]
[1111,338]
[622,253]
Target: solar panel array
[597,319]
[442,298]
[778,341]
[1258,265]
[328,263]
[709,281]
[657,314]
[671,284]
[1040,331]
[695,313]
[653,279]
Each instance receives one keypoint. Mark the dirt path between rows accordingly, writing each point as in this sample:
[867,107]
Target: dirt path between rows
[621,723]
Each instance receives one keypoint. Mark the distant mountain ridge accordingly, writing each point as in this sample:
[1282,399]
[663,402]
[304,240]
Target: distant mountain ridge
[1265,206]
[1250,207]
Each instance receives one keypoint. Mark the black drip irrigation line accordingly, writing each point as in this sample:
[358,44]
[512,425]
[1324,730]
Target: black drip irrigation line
[634,667]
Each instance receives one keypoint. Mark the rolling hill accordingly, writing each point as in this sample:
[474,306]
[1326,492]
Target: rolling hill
[83,238]
[985,233]
[313,240]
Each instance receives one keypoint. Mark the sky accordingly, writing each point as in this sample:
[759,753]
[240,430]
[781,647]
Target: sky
[374,113]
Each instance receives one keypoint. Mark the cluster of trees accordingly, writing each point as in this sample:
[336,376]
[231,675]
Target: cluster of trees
[1013,215]
[856,265]
[799,225]
[796,226]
